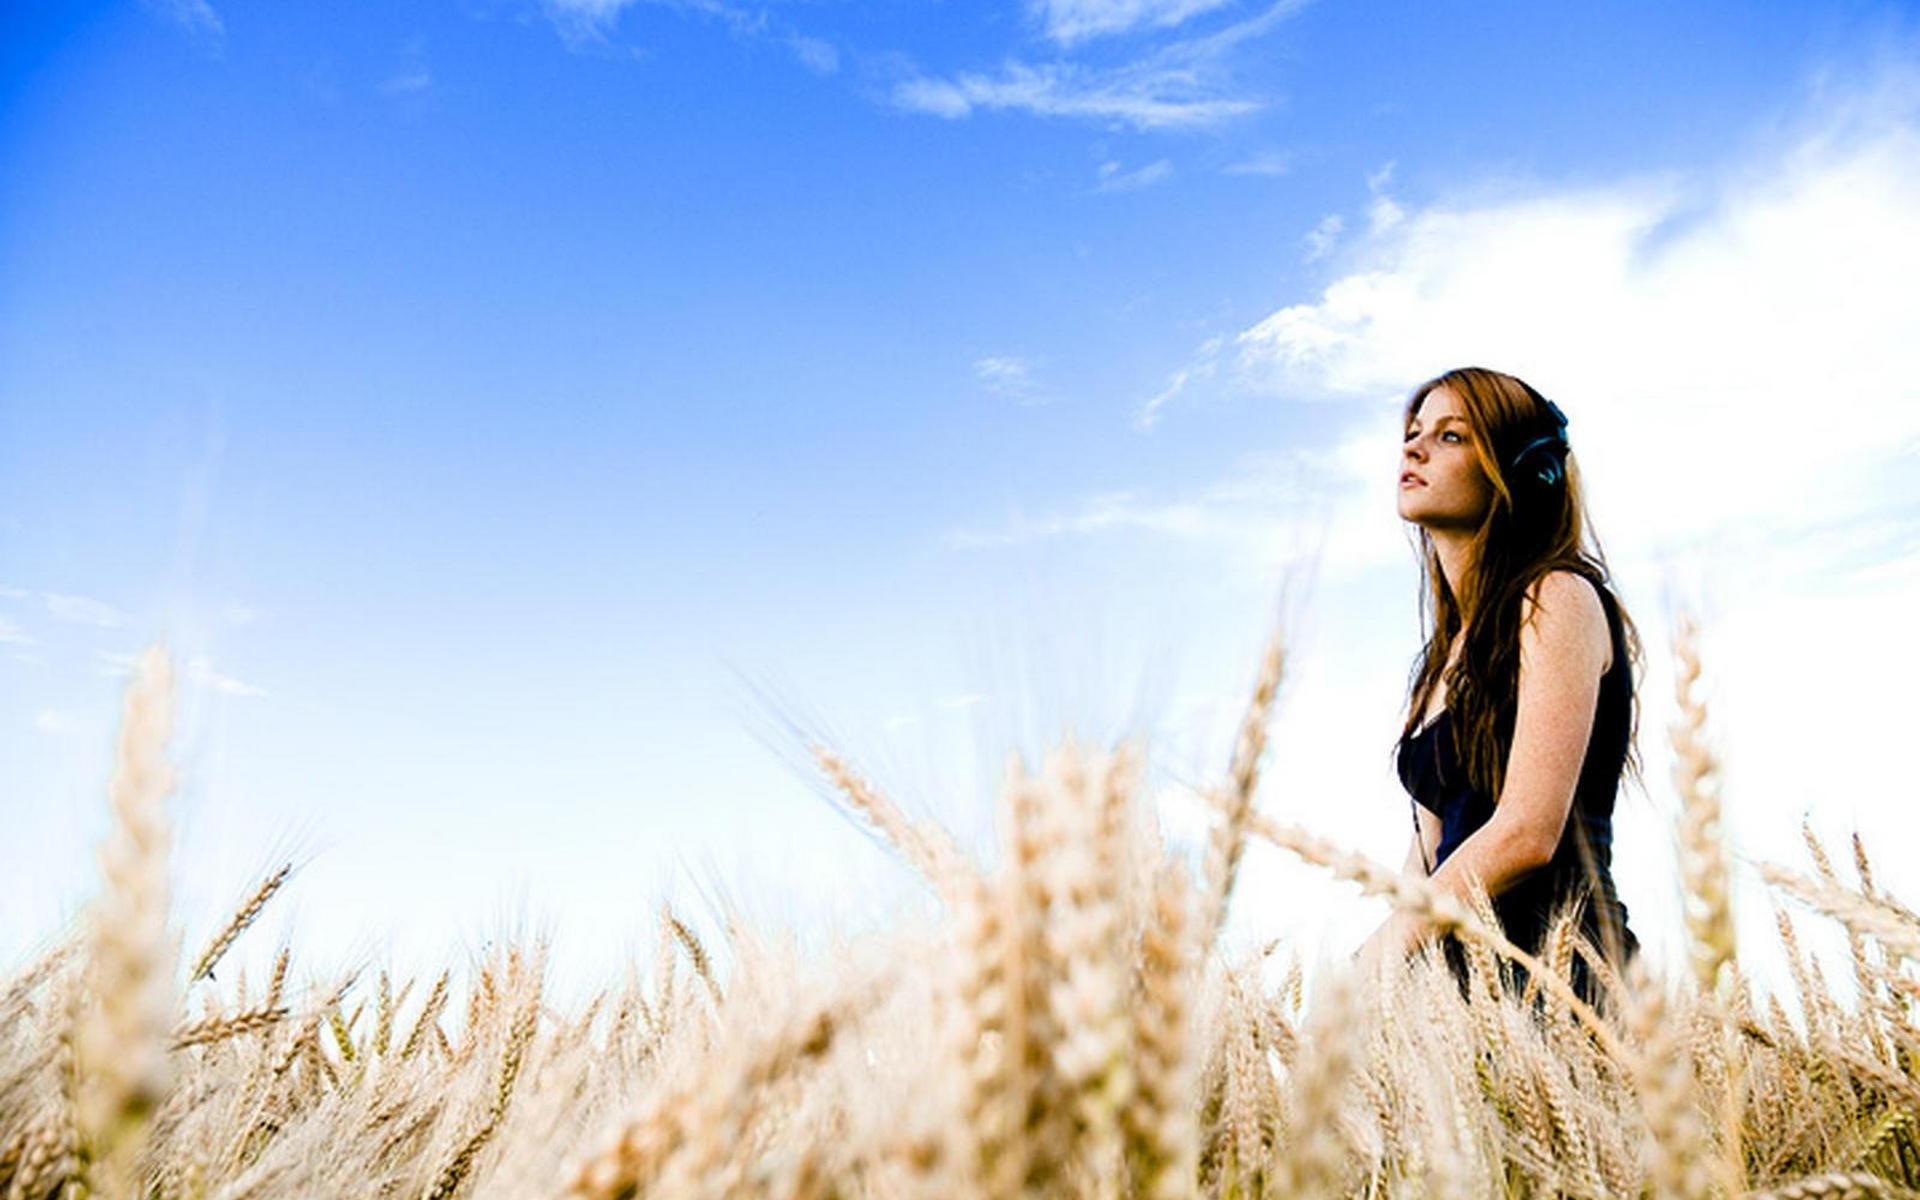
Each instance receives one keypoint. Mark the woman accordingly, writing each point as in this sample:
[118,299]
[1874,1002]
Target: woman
[1522,711]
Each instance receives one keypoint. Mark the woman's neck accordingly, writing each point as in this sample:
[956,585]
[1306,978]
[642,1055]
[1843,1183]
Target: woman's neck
[1455,550]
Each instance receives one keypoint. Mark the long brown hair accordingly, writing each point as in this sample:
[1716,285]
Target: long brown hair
[1529,531]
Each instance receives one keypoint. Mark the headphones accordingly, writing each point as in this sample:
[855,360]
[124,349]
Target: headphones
[1543,460]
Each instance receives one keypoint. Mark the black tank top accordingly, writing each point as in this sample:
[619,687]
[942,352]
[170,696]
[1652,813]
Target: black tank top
[1581,867]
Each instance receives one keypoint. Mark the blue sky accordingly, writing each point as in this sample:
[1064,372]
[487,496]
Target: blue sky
[490,401]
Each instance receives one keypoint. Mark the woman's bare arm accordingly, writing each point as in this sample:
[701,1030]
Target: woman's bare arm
[1564,647]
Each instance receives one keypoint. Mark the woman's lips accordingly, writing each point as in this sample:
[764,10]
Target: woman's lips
[1408,477]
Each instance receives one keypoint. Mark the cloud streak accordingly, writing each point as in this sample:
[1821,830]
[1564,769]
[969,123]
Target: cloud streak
[197,17]
[1010,376]
[82,610]
[1186,84]
[1071,21]
[1141,99]
[1114,179]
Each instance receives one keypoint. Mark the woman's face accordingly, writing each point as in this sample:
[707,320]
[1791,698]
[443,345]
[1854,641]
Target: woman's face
[1441,483]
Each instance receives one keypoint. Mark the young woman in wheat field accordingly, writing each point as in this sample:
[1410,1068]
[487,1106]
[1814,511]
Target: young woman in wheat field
[1521,712]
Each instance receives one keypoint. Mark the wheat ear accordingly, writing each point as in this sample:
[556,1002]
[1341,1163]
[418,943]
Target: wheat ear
[245,915]
[929,849]
[1675,1156]
[1088,995]
[128,1019]
[1315,1158]
[1228,838]
[1704,877]
[1840,1185]
[1439,910]
[1703,865]
[1162,1142]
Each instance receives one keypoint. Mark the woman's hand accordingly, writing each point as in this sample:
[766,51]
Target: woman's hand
[1398,936]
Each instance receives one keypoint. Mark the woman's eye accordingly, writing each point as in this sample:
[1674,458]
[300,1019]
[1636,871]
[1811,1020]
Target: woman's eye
[1451,434]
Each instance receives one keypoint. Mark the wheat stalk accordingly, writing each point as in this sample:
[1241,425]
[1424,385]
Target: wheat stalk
[128,1015]
[1233,804]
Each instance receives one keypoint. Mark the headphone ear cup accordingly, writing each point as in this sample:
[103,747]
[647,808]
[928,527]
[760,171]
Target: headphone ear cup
[1552,470]
[1542,461]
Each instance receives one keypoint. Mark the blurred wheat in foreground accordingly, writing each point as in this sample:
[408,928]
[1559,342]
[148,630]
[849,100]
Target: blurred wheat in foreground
[1071,1030]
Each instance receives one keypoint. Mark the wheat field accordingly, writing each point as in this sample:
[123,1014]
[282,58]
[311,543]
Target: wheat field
[1072,1028]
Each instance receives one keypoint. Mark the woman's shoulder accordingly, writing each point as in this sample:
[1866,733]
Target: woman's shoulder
[1565,587]
[1564,607]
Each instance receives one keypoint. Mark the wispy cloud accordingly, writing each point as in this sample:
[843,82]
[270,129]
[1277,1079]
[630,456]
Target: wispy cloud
[820,57]
[1145,101]
[1321,239]
[53,722]
[1070,21]
[1269,163]
[1010,376]
[1096,514]
[413,76]
[1274,502]
[197,17]
[12,635]
[1204,365]
[82,610]
[199,672]
[1114,179]
[582,19]
[1186,84]
[590,25]
[407,82]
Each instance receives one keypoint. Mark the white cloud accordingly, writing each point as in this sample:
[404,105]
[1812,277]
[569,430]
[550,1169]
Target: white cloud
[1323,237]
[407,82]
[13,593]
[1185,84]
[53,722]
[820,57]
[1114,179]
[586,24]
[1011,376]
[586,14]
[197,17]
[1272,507]
[1269,163]
[200,673]
[82,610]
[114,662]
[1205,364]
[1146,101]
[12,635]
[1747,344]
[1069,21]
